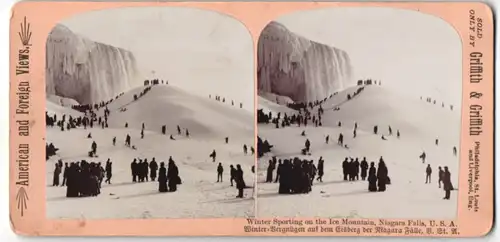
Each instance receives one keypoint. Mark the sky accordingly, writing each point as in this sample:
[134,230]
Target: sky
[200,51]
[411,52]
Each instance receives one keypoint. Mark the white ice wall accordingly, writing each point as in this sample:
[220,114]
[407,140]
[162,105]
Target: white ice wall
[85,70]
[293,66]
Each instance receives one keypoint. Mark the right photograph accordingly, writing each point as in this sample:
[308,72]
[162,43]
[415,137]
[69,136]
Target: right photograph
[359,115]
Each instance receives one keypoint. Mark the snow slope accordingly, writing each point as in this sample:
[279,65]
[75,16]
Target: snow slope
[85,70]
[301,69]
[199,196]
[408,197]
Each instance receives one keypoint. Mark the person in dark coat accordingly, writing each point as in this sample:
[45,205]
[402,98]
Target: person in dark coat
[356,169]
[320,169]
[382,174]
[94,147]
[441,176]
[240,182]
[213,155]
[72,189]
[65,174]
[109,172]
[372,178]
[345,168]
[162,178]
[114,141]
[270,169]
[364,168]
[133,168]
[233,174]
[57,172]
[172,176]
[308,145]
[428,172]
[153,167]
[163,129]
[447,185]
[220,170]
[245,149]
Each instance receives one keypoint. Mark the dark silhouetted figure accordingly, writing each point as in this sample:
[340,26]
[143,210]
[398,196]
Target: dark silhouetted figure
[65,173]
[187,133]
[153,167]
[327,139]
[437,141]
[240,183]
[375,129]
[345,168]
[233,174]
[109,172]
[57,172]
[173,176]
[162,178]
[364,168]
[178,130]
[320,169]
[227,140]
[308,145]
[127,140]
[252,150]
[397,133]
[126,125]
[340,140]
[428,172]
[94,147]
[114,141]
[447,186]
[422,156]
[454,150]
[213,155]
[89,136]
[134,169]
[245,149]
[270,169]
[142,133]
[163,129]
[220,170]
[382,175]
[372,178]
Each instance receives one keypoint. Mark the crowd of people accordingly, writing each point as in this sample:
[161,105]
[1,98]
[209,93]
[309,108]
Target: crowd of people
[82,179]
[431,101]
[223,100]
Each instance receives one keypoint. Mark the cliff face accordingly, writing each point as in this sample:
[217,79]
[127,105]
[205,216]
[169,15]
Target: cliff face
[84,70]
[303,70]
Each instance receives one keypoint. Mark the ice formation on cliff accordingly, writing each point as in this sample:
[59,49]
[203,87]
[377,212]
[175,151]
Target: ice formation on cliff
[293,66]
[84,70]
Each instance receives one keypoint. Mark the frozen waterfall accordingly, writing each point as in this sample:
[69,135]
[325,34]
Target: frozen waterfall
[303,70]
[84,70]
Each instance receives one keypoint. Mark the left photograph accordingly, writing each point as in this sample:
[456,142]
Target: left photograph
[150,114]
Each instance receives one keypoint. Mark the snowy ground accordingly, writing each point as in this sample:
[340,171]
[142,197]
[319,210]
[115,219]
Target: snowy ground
[199,196]
[419,122]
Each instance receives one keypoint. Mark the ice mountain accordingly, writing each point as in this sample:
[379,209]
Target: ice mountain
[84,70]
[292,66]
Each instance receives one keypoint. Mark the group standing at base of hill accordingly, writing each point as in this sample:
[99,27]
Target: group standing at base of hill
[82,179]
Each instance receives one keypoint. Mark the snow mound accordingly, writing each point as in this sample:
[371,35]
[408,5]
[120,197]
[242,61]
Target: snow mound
[199,196]
[419,123]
